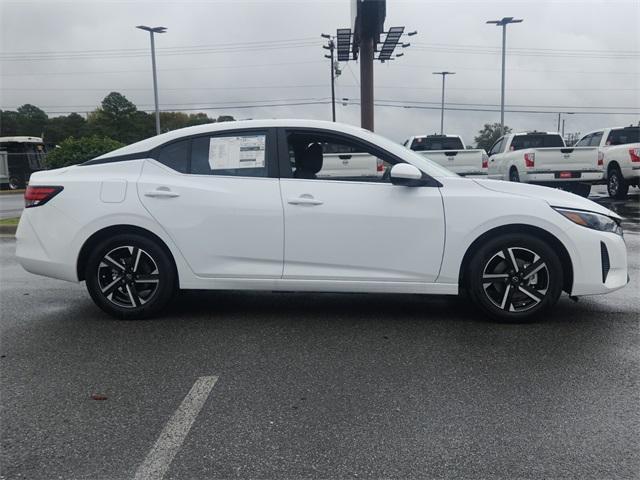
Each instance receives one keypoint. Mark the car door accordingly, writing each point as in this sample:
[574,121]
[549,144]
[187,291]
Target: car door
[494,160]
[218,198]
[355,228]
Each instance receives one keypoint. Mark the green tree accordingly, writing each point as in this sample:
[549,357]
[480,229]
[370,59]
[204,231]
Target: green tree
[78,150]
[8,123]
[59,128]
[31,120]
[118,118]
[489,134]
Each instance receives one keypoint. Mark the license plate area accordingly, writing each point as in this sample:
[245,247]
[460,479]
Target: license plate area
[568,174]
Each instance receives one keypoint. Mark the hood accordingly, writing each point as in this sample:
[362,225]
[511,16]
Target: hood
[553,196]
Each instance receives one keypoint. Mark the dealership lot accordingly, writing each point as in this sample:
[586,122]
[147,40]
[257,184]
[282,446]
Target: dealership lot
[318,385]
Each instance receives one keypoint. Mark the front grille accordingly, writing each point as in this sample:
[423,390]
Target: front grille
[604,256]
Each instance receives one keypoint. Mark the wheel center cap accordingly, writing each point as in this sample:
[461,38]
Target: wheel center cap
[515,279]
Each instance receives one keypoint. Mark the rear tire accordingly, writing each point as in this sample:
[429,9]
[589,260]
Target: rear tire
[130,276]
[617,186]
[514,176]
[515,292]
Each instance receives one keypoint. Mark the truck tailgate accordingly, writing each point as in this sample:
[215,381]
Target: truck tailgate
[462,162]
[567,159]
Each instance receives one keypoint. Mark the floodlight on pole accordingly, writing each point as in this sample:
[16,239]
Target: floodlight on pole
[444,74]
[151,31]
[503,23]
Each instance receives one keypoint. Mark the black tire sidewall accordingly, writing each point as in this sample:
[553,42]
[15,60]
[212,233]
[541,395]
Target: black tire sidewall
[166,270]
[514,176]
[623,187]
[487,250]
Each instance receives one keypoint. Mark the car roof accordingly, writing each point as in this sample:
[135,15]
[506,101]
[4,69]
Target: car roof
[24,139]
[153,142]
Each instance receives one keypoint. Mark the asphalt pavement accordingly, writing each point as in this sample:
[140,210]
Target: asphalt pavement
[317,385]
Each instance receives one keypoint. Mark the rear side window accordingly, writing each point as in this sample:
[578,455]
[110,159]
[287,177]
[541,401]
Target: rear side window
[622,136]
[421,144]
[521,142]
[175,156]
[239,155]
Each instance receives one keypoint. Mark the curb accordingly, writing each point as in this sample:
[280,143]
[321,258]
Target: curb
[8,229]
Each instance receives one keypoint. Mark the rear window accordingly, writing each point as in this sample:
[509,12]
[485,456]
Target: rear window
[622,136]
[436,143]
[521,142]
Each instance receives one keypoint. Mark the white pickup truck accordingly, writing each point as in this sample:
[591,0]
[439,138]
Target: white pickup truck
[450,152]
[542,158]
[619,152]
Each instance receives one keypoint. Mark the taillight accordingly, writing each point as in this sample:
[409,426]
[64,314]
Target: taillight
[600,159]
[379,165]
[485,160]
[34,196]
[529,160]
[634,154]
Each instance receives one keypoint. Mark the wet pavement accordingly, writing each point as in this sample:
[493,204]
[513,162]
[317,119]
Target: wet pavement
[319,385]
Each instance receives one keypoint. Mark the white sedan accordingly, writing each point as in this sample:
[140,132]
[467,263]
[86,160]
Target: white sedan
[247,205]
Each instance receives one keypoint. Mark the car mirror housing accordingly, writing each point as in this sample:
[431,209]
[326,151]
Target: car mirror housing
[406,175]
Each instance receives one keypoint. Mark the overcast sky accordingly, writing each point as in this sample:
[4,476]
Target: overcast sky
[569,56]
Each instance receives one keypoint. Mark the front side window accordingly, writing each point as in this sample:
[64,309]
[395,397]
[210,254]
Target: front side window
[320,156]
[497,147]
[239,155]
[584,141]
[595,139]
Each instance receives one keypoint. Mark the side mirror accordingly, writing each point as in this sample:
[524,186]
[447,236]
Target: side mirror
[406,175]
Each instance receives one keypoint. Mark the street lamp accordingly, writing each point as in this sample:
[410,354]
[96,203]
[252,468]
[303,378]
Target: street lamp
[503,23]
[151,31]
[444,74]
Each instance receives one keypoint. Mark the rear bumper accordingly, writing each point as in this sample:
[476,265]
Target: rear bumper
[49,258]
[553,177]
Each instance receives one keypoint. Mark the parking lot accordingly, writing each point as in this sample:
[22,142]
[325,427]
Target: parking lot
[317,385]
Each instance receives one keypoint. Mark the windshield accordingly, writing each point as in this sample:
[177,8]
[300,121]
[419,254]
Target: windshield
[421,144]
[622,136]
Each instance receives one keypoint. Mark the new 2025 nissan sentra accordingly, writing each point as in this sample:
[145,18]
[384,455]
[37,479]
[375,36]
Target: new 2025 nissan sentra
[248,205]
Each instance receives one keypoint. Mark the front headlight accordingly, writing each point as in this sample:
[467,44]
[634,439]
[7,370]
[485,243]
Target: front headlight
[592,220]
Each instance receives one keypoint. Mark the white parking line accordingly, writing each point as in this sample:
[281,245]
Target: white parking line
[175,431]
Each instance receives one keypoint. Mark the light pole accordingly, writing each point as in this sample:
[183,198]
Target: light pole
[444,74]
[151,31]
[503,23]
[559,116]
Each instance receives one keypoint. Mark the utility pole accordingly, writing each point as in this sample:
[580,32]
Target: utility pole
[503,23]
[331,47]
[151,31]
[444,74]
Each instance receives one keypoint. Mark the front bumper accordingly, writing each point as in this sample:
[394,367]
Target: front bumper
[589,265]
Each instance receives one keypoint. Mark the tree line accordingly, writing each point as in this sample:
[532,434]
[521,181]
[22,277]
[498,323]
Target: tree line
[116,118]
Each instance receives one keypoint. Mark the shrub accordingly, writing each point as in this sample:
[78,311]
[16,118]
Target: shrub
[78,150]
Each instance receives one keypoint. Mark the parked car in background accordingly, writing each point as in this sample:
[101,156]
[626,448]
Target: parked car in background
[25,155]
[620,153]
[4,170]
[450,152]
[542,158]
[241,205]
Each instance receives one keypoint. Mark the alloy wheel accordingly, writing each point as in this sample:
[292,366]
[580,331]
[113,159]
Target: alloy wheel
[515,279]
[614,184]
[128,276]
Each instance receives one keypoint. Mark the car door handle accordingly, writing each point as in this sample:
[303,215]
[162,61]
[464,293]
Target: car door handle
[304,200]
[161,193]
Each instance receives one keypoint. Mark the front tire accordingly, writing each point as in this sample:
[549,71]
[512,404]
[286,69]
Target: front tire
[130,276]
[617,186]
[515,277]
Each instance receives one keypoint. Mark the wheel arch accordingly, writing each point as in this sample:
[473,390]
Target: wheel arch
[556,244]
[111,230]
